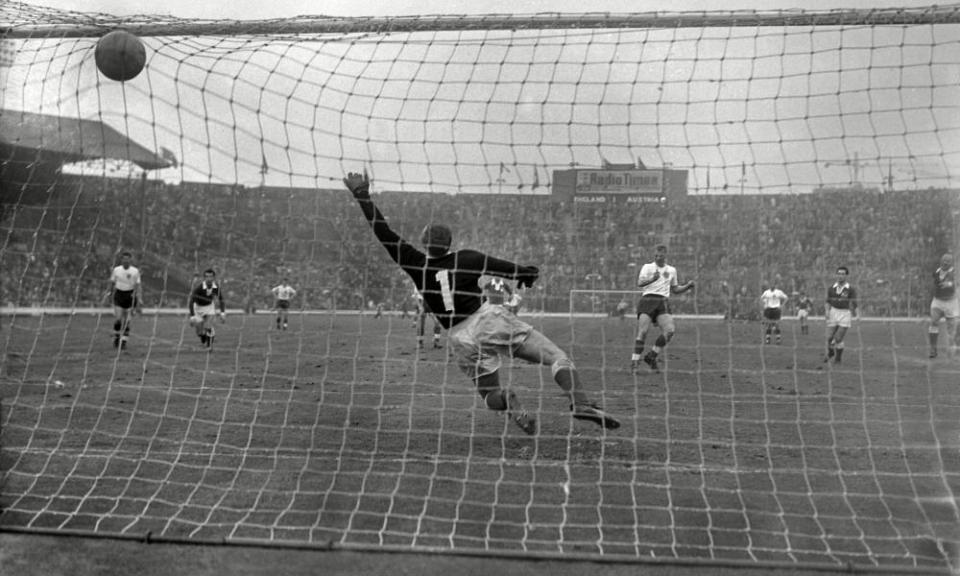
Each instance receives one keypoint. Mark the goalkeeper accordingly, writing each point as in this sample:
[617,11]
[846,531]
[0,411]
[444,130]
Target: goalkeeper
[479,332]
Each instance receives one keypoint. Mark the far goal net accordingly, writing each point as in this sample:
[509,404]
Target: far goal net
[762,148]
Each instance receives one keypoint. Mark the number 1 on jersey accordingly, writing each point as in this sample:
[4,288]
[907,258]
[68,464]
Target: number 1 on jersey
[443,277]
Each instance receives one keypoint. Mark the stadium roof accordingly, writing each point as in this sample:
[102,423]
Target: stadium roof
[72,139]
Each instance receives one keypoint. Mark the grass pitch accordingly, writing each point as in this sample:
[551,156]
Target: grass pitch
[338,431]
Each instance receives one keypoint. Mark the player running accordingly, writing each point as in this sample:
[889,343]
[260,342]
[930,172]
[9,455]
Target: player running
[126,290]
[944,306]
[420,323]
[804,306]
[772,300]
[283,294]
[841,309]
[657,281]
[204,300]
[479,332]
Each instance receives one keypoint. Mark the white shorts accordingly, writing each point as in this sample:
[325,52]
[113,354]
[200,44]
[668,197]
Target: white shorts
[480,340]
[839,317]
[945,308]
[803,313]
[204,311]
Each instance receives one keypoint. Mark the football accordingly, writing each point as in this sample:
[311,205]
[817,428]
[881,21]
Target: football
[196,320]
[120,56]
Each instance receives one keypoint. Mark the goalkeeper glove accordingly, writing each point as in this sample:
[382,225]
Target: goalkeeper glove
[528,276]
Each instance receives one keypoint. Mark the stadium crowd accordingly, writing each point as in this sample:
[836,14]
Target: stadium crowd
[59,252]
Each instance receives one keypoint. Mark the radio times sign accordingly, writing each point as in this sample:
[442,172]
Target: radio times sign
[618,185]
[619,182]
[633,185]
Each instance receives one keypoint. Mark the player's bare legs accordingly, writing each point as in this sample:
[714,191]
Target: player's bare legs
[643,326]
[953,329]
[835,335]
[667,329]
[538,349]
[121,326]
[933,330]
[771,328]
[206,331]
[496,398]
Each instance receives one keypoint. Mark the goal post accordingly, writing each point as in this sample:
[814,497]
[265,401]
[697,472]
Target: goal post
[766,146]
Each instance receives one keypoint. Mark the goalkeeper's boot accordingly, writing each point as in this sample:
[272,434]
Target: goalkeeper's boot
[933,353]
[116,340]
[651,360]
[519,415]
[592,413]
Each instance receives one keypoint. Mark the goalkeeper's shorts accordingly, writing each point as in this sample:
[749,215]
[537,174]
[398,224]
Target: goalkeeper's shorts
[480,340]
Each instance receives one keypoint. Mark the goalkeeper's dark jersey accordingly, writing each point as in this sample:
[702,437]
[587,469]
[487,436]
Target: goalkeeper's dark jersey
[448,283]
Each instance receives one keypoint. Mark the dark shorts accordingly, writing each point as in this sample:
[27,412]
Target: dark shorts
[283,304]
[653,306]
[772,313]
[124,299]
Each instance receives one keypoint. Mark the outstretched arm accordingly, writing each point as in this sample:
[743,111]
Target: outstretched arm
[399,249]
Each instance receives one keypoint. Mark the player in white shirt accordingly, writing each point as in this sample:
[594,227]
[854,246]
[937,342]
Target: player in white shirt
[772,299]
[657,281]
[420,322]
[125,288]
[283,293]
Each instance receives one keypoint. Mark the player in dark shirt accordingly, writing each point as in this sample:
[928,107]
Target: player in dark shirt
[804,307]
[841,308]
[203,307]
[944,306]
[479,332]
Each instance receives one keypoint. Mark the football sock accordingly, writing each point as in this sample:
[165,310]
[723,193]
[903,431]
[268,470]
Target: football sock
[496,400]
[569,381]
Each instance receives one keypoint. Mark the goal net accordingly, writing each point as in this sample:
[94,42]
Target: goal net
[764,149]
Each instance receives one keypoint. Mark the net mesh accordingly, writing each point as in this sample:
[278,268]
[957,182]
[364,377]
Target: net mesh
[804,140]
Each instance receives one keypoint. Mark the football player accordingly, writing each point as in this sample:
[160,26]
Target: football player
[480,333]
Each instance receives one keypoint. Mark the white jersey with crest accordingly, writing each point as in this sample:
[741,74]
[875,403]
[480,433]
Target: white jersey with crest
[284,292]
[773,298]
[125,279]
[660,286]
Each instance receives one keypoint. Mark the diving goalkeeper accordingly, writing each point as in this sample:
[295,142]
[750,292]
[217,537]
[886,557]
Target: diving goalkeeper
[480,332]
